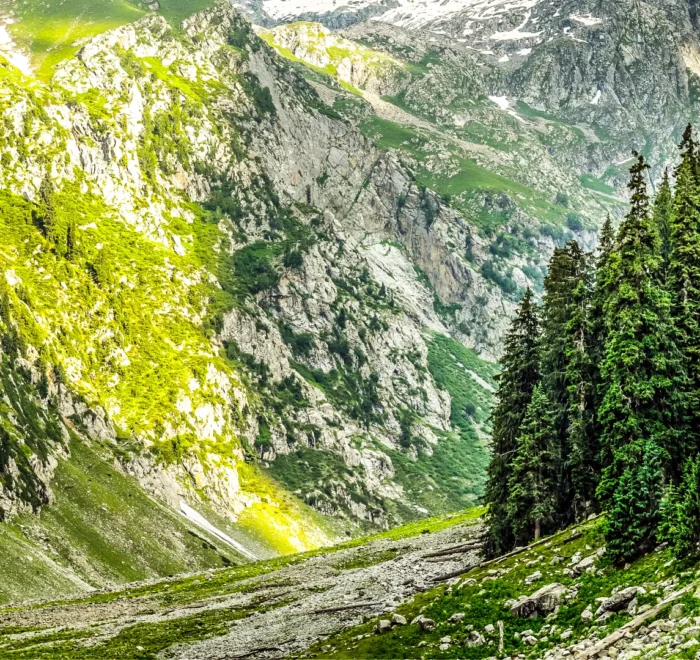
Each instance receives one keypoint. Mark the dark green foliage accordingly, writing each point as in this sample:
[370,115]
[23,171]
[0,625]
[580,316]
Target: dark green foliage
[610,424]
[645,385]
[532,501]
[255,267]
[301,343]
[684,266]
[574,222]
[663,211]
[406,419]
[238,37]
[260,96]
[680,524]
[520,375]
[562,199]
[634,511]
[568,375]
[44,215]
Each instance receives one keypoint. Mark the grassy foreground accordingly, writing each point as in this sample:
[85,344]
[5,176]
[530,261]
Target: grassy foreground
[484,595]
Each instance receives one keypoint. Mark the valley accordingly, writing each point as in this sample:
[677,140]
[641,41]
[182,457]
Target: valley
[258,265]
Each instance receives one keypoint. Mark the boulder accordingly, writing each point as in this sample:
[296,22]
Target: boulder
[619,601]
[456,618]
[530,579]
[383,626]
[398,620]
[475,639]
[584,565]
[542,602]
[427,624]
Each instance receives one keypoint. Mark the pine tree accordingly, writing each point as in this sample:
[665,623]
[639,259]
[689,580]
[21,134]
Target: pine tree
[684,266]
[582,443]
[519,376]
[644,401]
[568,376]
[663,211]
[634,514]
[45,214]
[532,502]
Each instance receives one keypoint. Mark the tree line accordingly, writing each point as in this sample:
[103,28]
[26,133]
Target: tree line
[599,394]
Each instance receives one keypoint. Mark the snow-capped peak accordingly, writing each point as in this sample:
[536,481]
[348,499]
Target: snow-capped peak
[409,13]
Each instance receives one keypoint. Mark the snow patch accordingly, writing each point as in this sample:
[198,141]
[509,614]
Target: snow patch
[596,99]
[199,520]
[408,13]
[501,101]
[588,21]
[517,33]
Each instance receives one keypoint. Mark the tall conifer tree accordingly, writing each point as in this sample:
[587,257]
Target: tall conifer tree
[684,267]
[519,376]
[663,211]
[533,481]
[644,406]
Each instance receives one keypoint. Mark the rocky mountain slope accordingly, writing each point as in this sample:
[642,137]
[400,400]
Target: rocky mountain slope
[257,279]
[221,296]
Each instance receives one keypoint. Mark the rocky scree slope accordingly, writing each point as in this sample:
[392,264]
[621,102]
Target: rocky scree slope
[214,279]
[559,598]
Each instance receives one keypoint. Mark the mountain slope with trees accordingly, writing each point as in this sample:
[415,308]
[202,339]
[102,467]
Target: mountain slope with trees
[609,382]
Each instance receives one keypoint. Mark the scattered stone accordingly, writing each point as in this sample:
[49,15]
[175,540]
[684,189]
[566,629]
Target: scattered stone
[677,611]
[585,565]
[620,600]
[490,629]
[530,579]
[456,618]
[427,624]
[587,614]
[398,620]
[530,640]
[475,639]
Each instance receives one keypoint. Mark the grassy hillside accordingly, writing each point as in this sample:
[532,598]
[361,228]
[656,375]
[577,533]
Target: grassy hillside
[103,529]
[53,30]
[484,595]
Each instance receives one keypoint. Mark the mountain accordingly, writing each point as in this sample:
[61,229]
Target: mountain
[226,312]
[255,280]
